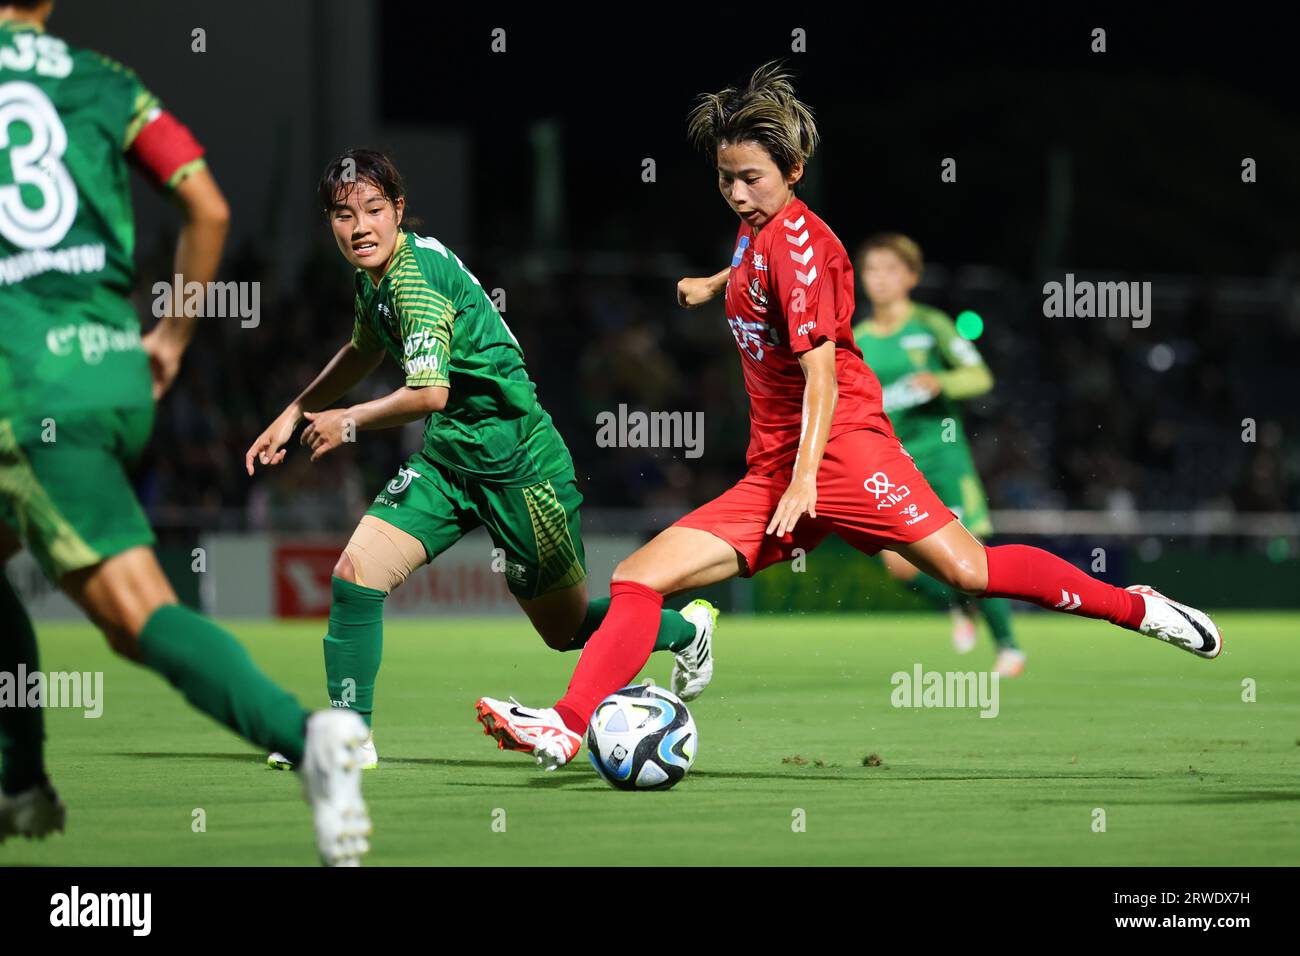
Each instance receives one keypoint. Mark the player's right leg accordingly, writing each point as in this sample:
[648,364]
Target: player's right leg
[723,538]
[678,558]
[29,807]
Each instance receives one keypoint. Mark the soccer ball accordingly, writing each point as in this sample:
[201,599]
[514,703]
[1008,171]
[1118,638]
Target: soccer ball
[641,738]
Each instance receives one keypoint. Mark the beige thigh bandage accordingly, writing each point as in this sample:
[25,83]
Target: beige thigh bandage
[382,555]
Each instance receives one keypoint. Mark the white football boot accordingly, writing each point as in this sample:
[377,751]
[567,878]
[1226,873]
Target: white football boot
[964,631]
[539,732]
[331,782]
[34,813]
[369,757]
[1010,662]
[1178,624]
[693,664]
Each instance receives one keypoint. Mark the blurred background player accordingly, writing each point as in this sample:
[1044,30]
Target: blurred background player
[926,370]
[491,455]
[78,386]
[822,458]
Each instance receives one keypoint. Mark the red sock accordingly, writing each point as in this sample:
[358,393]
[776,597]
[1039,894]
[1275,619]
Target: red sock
[1039,577]
[615,653]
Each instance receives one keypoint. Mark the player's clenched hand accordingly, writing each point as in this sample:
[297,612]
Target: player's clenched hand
[693,292]
[164,353]
[327,431]
[269,447]
[799,499]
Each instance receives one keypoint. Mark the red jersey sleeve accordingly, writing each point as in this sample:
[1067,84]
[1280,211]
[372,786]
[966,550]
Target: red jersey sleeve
[804,267]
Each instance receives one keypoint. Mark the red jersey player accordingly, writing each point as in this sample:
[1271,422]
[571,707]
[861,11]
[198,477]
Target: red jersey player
[822,456]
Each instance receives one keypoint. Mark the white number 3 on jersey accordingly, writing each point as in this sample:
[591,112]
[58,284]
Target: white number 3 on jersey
[38,165]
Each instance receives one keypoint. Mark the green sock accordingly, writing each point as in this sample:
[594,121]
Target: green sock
[997,611]
[675,632]
[217,676]
[22,729]
[354,646]
[936,592]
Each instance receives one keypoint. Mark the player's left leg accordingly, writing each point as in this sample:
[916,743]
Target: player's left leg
[82,522]
[1030,574]
[416,516]
[903,513]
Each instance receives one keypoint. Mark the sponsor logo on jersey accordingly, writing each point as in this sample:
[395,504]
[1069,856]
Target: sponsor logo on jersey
[759,264]
[422,363]
[92,340]
[418,341]
[751,337]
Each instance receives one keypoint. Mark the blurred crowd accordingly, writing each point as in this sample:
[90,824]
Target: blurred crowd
[1085,413]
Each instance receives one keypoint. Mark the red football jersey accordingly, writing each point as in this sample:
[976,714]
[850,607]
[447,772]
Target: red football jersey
[791,288]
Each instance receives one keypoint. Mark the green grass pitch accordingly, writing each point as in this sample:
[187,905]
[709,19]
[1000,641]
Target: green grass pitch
[1186,772]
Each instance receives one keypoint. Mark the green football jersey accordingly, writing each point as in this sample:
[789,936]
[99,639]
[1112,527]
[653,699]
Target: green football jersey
[926,342]
[71,338]
[436,321]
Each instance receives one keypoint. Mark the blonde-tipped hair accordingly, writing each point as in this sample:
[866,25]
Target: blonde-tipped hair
[764,110]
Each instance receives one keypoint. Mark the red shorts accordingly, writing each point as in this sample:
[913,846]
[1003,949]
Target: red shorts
[869,492]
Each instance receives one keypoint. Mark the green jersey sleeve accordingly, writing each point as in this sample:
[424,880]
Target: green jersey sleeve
[968,376]
[425,317]
[144,106]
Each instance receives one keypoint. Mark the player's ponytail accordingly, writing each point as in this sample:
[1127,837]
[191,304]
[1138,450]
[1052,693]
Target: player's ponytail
[764,110]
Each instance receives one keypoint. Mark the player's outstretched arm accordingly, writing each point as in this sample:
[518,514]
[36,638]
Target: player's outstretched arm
[409,403]
[198,254]
[693,292]
[821,392]
[348,367]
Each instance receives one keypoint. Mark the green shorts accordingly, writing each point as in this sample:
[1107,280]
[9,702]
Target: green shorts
[537,528]
[961,491]
[66,493]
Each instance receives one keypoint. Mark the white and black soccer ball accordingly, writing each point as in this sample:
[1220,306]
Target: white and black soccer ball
[641,738]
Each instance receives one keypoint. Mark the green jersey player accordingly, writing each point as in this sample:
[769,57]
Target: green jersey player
[491,456]
[926,369]
[78,384]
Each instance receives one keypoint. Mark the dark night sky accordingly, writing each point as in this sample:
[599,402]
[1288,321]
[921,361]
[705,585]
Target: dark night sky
[1155,128]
